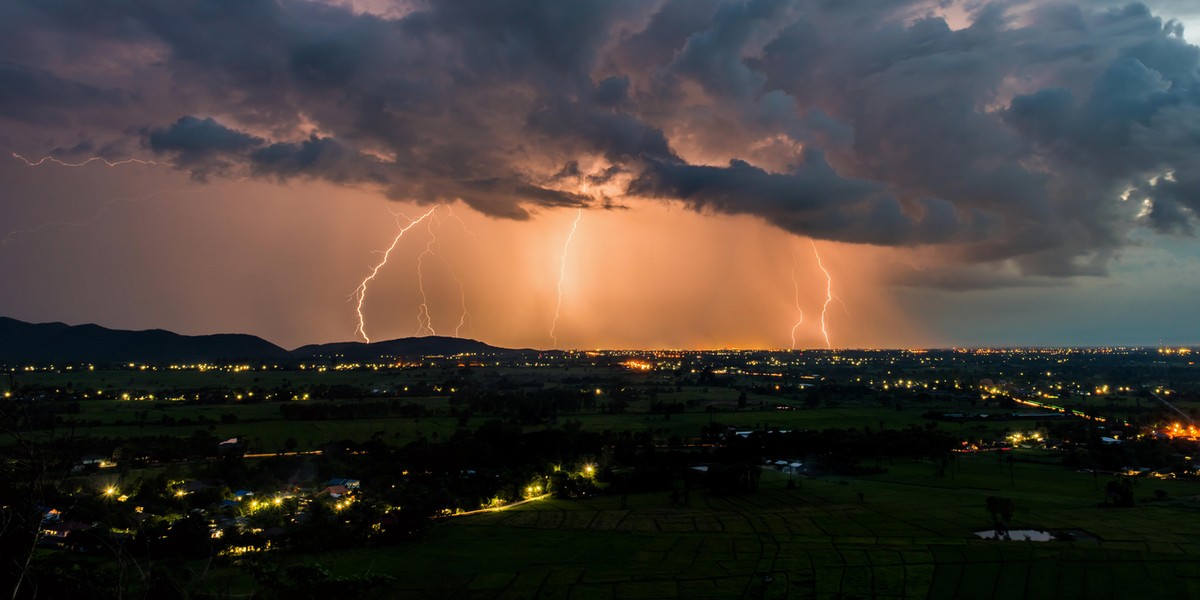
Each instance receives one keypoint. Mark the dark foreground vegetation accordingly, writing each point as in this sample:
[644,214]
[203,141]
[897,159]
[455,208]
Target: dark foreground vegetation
[656,475]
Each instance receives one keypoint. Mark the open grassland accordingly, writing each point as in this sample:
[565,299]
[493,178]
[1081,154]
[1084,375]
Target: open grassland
[909,535]
[118,404]
[263,425]
[261,421]
[905,532]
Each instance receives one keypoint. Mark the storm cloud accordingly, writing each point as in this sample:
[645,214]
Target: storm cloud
[1032,135]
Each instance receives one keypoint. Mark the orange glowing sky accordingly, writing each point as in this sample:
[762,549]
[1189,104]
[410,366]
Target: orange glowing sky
[283,261]
[967,177]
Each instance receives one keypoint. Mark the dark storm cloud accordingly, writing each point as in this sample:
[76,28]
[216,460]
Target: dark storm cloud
[812,199]
[198,141]
[38,96]
[1035,137]
[205,146]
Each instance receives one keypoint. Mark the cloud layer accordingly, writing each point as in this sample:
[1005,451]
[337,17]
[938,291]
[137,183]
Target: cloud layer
[1030,137]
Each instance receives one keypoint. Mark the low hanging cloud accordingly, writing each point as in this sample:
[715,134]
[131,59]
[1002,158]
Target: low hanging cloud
[1033,136]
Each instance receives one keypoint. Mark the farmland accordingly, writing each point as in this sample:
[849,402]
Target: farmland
[910,536]
[594,475]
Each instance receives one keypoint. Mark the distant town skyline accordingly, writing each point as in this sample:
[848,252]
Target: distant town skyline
[676,174]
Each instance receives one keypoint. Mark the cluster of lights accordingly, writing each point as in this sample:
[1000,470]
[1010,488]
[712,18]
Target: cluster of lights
[1180,431]
[1019,437]
[1063,410]
[240,550]
[204,367]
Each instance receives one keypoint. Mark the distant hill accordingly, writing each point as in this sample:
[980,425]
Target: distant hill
[414,347]
[22,342]
[59,342]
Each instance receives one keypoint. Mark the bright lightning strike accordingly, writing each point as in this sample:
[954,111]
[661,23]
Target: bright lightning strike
[562,274]
[462,292]
[424,320]
[361,291]
[828,295]
[104,207]
[796,298]
[127,161]
[467,230]
[462,297]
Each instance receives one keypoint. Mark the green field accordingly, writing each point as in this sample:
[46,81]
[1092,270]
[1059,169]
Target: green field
[261,421]
[267,431]
[910,536]
[905,532]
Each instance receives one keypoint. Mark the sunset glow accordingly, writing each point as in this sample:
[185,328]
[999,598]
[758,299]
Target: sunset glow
[179,189]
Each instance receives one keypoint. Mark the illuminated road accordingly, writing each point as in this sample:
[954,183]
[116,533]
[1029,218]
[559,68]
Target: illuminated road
[274,454]
[495,509]
[1171,406]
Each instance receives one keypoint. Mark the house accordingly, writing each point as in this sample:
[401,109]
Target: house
[194,486]
[56,533]
[98,461]
[337,491]
[350,484]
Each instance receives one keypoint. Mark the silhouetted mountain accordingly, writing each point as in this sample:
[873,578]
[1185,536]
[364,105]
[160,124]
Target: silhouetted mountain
[62,343]
[414,347]
[42,343]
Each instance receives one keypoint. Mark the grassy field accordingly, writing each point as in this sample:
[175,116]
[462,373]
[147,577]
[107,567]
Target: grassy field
[904,533]
[263,424]
[111,416]
[909,536]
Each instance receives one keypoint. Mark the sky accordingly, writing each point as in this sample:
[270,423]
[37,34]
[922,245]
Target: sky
[606,173]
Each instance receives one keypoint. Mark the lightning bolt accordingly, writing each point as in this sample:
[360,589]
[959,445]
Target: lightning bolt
[462,297]
[104,207]
[450,214]
[361,291]
[462,292]
[424,320]
[796,288]
[562,274]
[828,295]
[127,161]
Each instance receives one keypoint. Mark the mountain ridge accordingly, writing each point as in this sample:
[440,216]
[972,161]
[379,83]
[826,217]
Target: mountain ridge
[22,342]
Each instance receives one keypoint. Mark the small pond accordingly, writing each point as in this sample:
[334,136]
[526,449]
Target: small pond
[1018,535]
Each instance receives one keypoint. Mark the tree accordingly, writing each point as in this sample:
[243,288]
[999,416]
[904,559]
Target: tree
[1120,492]
[1001,511]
